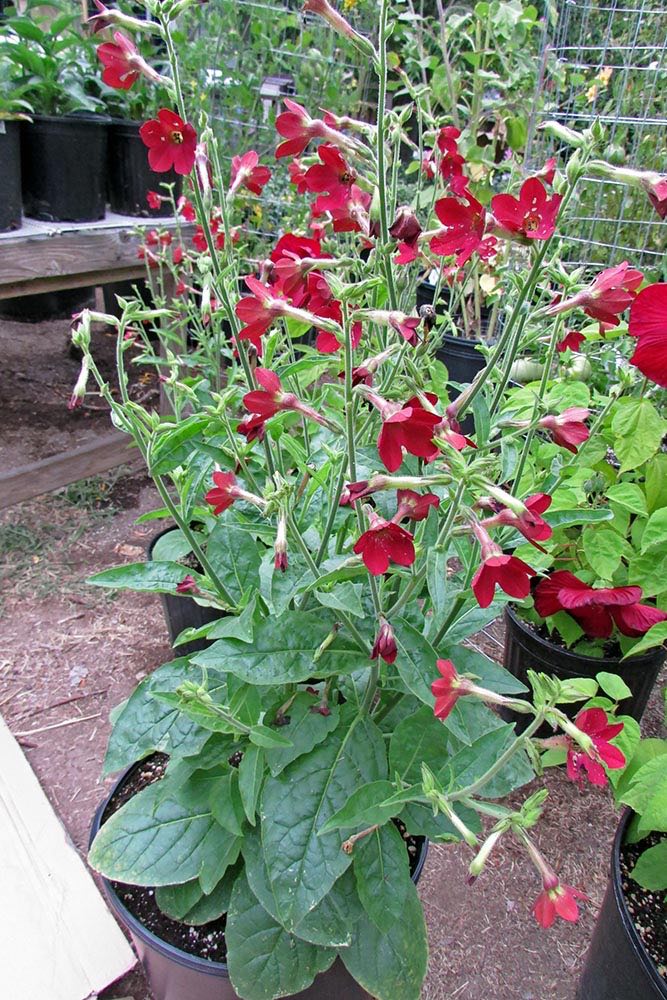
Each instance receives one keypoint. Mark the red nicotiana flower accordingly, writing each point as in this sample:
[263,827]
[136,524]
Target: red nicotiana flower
[509,573]
[648,323]
[188,585]
[348,208]
[252,427]
[258,311]
[406,229]
[270,399]
[248,173]
[595,724]
[655,186]
[606,297]
[532,215]
[407,426]
[568,428]
[327,342]
[154,199]
[463,228]
[122,63]
[414,505]
[297,176]
[548,171]
[224,492]
[451,161]
[385,643]
[384,542]
[557,900]
[528,522]
[186,209]
[298,128]
[332,173]
[571,341]
[447,690]
[596,609]
[171,143]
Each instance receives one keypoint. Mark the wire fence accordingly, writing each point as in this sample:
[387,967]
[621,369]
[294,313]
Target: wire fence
[607,60]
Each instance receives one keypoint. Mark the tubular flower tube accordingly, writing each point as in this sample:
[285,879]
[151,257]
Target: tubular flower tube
[507,572]
[531,216]
[123,65]
[382,543]
[568,428]
[451,686]
[225,492]
[385,643]
[171,142]
[607,297]
[339,24]
[648,323]
[280,544]
[248,173]
[396,320]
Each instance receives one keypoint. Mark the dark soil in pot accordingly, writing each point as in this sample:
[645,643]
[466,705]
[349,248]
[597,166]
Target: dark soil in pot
[64,168]
[184,963]
[627,958]
[526,650]
[184,612]
[129,176]
[10,175]
[47,305]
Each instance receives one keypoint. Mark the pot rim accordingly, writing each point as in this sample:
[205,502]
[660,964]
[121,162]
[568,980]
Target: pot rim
[170,951]
[645,959]
[89,118]
[641,660]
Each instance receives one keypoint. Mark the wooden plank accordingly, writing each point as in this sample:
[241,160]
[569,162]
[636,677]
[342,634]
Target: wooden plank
[50,474]
[59,940]
[59,282]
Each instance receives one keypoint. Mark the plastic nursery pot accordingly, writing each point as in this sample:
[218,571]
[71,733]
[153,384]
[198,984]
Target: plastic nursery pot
[525,650]
[129,177]
[47,305]
[617,965]
[177,975]
[183,612]
[461,358]
[10,175]
[64,168]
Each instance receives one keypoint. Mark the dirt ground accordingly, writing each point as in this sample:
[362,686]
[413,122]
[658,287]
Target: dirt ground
[71,652]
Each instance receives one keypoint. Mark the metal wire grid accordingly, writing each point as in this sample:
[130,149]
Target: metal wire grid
[606,60]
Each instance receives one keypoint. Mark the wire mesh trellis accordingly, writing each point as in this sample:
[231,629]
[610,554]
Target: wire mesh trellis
[606,60]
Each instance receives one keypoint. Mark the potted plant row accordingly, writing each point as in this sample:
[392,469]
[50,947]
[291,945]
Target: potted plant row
[279,786]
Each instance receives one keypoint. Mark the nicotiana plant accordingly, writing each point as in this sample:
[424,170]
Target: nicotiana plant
[347,527]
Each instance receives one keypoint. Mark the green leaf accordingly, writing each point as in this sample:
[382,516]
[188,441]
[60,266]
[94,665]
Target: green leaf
[649,571]
[236,552]
[415,661]
[270,739]
[647,795]
[638,430]
[655,636]
[383,876]
[656,483]
[264,960]
[251,776]
[160,837]
[330,923]
[154,577]
[306,729]
[420,822]
[629,496]
[226,804]
[604,548]
[283,651]
[471,762]
[176,900]
[627,742]
[174,445]
[613,685]
[655,531]
[420,738]
[390,964]
[171,546]
[145,725]
[582,515]
[303,866]
[343,597]
[364,808]
[647,750]
[651,868]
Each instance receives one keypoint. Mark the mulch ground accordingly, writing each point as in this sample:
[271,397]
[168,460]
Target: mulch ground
[71,652]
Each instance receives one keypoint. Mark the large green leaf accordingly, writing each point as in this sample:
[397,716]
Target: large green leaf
[420,738]
[283,651]
[264,960]
[390,964]
[191,905]
[471,762]
[365,807]
[236,555]
[647,795]
[330,923]
[307,727]
[251,775]
[297,803]
[174,445]
[638,430]
[651,868]
[415,661]
[655,531]
[154,577]
[145,725]
[383,876]
[161,837]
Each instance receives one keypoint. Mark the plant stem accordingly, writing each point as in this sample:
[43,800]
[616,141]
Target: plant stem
[500,762]
[381,130]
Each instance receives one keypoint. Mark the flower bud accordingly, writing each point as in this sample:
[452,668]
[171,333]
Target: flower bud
[405,227]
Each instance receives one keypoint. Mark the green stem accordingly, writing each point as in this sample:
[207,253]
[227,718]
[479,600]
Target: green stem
[381,131]
[500,762]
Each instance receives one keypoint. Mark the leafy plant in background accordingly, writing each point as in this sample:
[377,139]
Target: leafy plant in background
[332,510]
[48,61]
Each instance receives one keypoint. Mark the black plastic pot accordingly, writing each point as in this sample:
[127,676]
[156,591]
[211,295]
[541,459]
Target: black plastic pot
[10,175]
[525,650]
[461,358]
[176,975]
[617,965]
[64,168]
[129,176]
[183,612]
[47,305]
